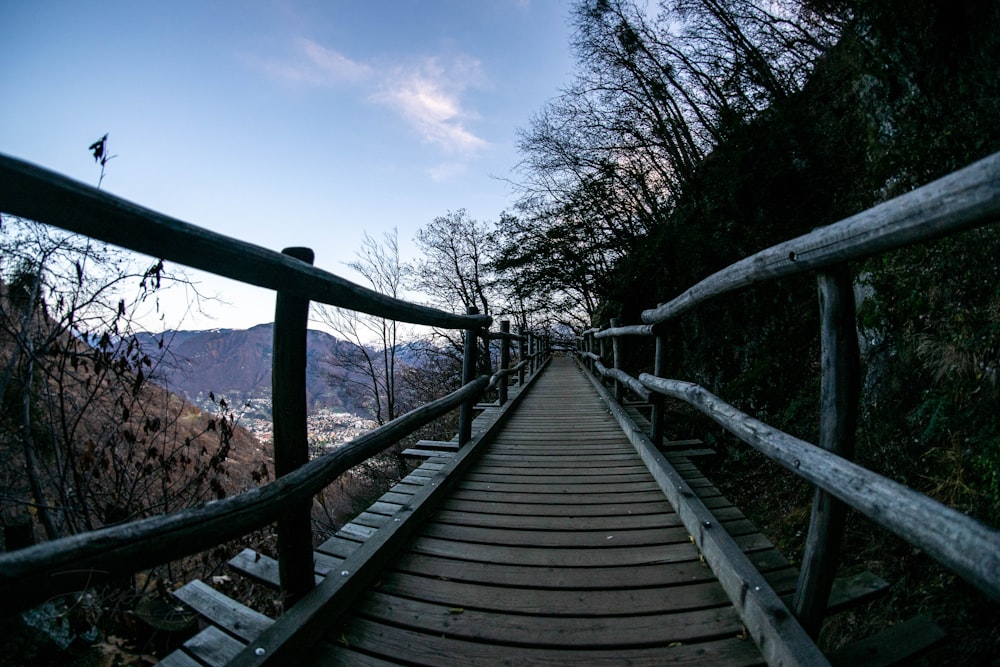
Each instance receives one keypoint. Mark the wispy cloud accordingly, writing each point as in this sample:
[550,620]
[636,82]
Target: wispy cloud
[430,95]
[314,64]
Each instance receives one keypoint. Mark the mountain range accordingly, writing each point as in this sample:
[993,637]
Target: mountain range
[235,364]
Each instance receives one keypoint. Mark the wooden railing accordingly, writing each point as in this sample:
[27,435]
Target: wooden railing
[31,575]
[962,200]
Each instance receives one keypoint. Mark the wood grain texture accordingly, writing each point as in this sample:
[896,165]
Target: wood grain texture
[968,547]
[38,194]
[555,547]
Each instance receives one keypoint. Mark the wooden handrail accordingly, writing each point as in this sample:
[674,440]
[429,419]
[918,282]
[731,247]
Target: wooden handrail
[968,547]
[32,575]
[624,379]
[35,193]
[961,200]
[631,330]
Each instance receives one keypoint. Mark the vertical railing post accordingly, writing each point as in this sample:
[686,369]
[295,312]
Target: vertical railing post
[531,353]
[468,375]
[841,386]
[616,356]
[520,355]
[656,398]
[504,361]
[606,358]
[592,348]
[291,446]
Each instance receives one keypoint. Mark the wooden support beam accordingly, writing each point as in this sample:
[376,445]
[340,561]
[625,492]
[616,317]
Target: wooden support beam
[504,360]
[659,370]
[840,393]
[616,355]
[291,443]
[465,416]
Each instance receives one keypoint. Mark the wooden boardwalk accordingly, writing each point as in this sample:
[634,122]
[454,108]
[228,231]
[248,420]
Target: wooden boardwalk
[556,547]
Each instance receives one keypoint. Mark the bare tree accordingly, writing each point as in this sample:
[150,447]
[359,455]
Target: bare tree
[87,439]
[370,361]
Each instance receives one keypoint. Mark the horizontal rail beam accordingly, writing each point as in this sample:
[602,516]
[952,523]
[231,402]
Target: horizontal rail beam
[964,199]
[969,548]
[621,376]
[33,192]
[31,575]
[501,374]
[632,330]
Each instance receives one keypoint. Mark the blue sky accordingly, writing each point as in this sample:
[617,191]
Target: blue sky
[283,122]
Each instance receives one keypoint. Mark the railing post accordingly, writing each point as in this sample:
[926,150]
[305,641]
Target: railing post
[616,355]
[468,375]
[592,348]
[291,445]
[520,355]
[504,361]
[840,392]
[531,353]
[657,399]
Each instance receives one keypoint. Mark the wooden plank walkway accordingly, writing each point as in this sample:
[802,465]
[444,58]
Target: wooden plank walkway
[557,547]
[554,546]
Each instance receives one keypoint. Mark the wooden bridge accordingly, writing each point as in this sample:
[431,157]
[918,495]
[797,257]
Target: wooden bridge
[554,545]
[557,527]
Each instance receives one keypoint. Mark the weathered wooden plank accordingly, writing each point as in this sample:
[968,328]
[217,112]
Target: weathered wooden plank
[597,490]
[288,640]
[773,628]
[576,578]
[579,537]
[575,557]
[531,597]
[179,658]
[449,446]
[561,498]
[222,611]
[45,196]
[424,454]
[849,592]
[213,647]
[961,200]
[655,506]
[552,631]
[963,544]
[355,531]
[264,569]
[538,522]
[438,650]
[532,473]
[889,647]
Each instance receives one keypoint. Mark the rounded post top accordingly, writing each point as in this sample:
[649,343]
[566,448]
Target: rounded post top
[304,254]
